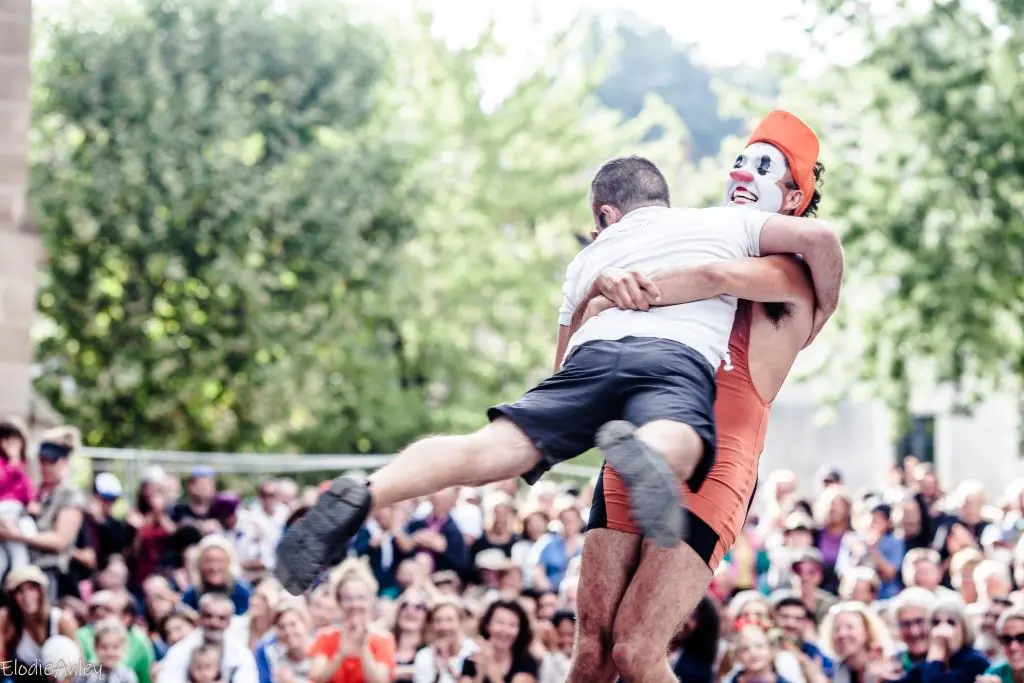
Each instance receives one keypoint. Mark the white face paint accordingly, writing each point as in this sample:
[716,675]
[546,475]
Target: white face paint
[755,177]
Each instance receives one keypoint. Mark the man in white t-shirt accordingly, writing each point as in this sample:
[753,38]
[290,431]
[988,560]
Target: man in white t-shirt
[654,368]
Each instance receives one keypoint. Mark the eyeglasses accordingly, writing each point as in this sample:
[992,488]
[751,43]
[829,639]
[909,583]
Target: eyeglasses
[911,623]
[1006,640]
[418,606]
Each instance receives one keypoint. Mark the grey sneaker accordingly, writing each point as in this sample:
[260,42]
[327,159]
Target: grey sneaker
[320,539]
[654,496]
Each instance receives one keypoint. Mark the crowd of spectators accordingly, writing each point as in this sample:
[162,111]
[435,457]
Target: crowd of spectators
[908,583]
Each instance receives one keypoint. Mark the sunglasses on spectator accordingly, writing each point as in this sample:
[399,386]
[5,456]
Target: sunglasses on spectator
[1005,640]
[418,606]
[937,621]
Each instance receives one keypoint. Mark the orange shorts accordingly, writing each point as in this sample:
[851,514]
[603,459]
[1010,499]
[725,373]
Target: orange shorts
[715,514]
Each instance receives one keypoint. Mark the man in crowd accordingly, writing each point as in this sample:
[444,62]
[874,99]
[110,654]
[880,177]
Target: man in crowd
[238,664]
[648,367]
[635,593]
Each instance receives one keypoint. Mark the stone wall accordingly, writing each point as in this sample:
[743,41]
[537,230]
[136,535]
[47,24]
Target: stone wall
[19,245]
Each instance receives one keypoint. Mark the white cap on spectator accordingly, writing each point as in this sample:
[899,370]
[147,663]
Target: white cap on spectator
[154,474]
[108,485]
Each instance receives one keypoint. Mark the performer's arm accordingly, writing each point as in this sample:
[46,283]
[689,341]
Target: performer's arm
[821,249]
[772,279]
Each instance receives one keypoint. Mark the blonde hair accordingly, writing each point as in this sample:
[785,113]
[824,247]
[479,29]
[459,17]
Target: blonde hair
[824,504]
[353,569]
[212,542]
[744,598]
[850,579]
[960,561]
[908,571]
[877,634]
[1015,613]
[296,605]
[110,627]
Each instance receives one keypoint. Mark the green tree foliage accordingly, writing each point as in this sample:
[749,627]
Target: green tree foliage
[212,182]
[925,158]
[268,231]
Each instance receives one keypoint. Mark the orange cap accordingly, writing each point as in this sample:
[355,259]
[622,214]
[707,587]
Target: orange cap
[798,144]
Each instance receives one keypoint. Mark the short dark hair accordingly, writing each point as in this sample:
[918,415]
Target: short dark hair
[629,183]
[563,615]
[812,206]
[525,636]
[790,601]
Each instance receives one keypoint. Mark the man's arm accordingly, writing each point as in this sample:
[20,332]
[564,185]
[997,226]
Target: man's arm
[564,333]
[821,249]
[772,279]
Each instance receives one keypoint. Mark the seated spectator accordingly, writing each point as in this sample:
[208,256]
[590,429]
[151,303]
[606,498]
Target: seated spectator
[356,649]
[410,631]
[217,572]
[505,654]
[833,513]
[798,623]
[564,544]
[258,622]
[110,535]
[797,538]
[755,656]
[499,526]
[177,625]
[535,528]
[204,666]
[554,667]
[16,493]
[910,611]
[61,511]
[923,568]
[323,608]
[236,660]
[111,640]
[808,573]
[159,600]
[695,649]
[152,530]
[858,642]
[194,510]
[441,661]
[376,542]
[284,658]
[261,527]
[748,556]
[437,538]
[992,580]
[29,620]
[961,573]
[950,656]
[137,648]
[987,641]
[1011,637]
[859,584]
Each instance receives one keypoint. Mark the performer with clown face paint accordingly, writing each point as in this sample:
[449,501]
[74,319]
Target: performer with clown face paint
[634,595]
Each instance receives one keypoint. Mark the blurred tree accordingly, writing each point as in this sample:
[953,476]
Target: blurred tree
[925,157]
[213,183]
[267,233]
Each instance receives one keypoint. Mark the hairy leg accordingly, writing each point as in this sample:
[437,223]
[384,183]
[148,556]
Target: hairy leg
[609,559]
[498,451]
[665,590]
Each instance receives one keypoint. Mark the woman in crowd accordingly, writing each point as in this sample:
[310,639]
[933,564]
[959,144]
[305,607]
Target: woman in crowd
[218,571]
[563,546]
[755,656]
[951,659]
[29,621]
[695,649]
[150,548]
[442,659]
[177,625]
[285,658]
[355,650]
[499,526]
[751,607]
[860,584]
[59,513]
[504,655]
[16,492]
[159,600]
[859,643]
[259,621]
[535,529]
[410,631]
[1011,636]
[323,607]
[833,513]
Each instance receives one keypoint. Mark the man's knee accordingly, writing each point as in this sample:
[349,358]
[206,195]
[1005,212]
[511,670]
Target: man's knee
[677,442]
[635,658]
[499,451]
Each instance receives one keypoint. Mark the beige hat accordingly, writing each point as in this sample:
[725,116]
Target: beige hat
[493,560]
[27,574]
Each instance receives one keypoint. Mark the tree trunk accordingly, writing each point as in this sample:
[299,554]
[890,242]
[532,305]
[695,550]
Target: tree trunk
[19,246]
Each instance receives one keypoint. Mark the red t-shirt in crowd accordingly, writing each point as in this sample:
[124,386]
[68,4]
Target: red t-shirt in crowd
[328,644]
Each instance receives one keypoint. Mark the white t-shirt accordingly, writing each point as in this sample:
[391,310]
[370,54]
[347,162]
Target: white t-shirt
[658,237]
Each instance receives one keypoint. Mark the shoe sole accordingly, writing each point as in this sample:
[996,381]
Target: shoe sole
[313,543]
[654,497]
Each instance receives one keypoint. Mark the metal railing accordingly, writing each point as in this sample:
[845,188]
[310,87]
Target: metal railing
[131,464]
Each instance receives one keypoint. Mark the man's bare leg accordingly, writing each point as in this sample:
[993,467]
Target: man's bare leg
[651,461]
[609,560]
[662,594]
[498,451]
